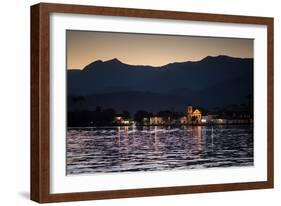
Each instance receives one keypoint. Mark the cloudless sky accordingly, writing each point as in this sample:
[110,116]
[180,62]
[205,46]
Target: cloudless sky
[84,47]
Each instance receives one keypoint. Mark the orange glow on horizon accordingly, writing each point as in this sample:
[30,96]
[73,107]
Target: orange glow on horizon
[85,47]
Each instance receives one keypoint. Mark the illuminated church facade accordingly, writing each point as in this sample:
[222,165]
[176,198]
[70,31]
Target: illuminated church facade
[194,116]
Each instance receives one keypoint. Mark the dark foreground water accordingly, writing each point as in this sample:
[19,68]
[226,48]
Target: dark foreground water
[128,149]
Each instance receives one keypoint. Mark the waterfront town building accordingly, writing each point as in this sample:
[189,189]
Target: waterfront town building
[193,116]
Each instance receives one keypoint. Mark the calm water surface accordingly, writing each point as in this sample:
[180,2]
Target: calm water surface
[128,149]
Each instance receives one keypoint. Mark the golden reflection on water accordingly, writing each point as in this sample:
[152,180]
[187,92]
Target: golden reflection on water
[118,132]
[126,128]
[184,130]
[133,132]
[156,139]
[197,135]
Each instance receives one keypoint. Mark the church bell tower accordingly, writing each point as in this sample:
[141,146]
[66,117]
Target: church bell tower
[189,110]
[189,113]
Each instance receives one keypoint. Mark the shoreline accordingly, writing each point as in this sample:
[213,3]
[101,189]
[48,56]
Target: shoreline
[167,125]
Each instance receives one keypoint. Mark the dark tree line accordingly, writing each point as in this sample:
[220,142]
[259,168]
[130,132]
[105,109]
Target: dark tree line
[107,117]
[99,117]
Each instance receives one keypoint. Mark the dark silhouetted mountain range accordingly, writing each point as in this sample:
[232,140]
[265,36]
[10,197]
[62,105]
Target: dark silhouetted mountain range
[211,82]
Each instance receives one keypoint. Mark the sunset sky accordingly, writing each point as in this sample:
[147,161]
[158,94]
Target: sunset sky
[84,47]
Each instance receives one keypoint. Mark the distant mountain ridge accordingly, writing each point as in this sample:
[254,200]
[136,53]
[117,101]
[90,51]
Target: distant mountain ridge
[212,81]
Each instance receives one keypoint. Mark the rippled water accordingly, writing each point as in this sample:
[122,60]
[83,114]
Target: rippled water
[127,149]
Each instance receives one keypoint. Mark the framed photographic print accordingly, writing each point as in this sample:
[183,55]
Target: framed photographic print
[131,102]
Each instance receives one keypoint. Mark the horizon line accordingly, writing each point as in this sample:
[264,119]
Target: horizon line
[116,59]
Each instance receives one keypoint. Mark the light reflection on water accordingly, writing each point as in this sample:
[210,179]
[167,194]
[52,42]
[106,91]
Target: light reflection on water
[154,148]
